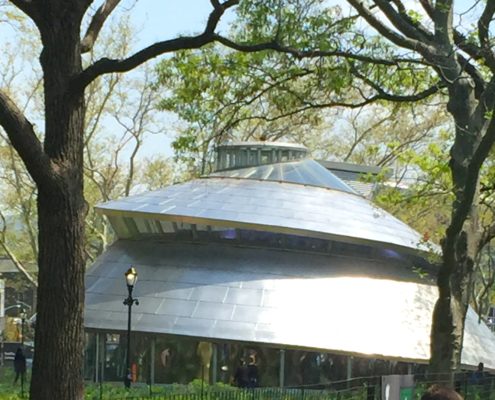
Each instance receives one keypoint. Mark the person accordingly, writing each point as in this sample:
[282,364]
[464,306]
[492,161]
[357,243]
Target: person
[241,379]
[480,382]
[19,365]
[438,392]
[478,376]
[252,368]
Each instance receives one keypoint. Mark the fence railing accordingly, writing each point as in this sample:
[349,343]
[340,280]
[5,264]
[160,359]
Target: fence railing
[368,388]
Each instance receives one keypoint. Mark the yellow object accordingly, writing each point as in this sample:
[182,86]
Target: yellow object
[12,331]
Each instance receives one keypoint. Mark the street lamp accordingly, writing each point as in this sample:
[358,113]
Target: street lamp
[130,279]
[22,315]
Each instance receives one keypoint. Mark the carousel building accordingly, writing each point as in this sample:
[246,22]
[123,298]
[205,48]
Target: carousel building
[271,256]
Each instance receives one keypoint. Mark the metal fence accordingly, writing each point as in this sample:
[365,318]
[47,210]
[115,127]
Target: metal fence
[255,394]
[355,389]
[369,388]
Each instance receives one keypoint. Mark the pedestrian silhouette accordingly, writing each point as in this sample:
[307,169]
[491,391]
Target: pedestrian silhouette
[252,369]
[241,378]
[19,365]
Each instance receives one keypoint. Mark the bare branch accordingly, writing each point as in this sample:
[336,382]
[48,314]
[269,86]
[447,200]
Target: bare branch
[96,24]
[11,255]
[106,65]
[22,136]
[216,14]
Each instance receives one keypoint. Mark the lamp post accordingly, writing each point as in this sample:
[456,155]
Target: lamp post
[130,279]
[22,315]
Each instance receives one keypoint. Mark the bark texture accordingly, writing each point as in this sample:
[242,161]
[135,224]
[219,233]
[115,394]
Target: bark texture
[57,372]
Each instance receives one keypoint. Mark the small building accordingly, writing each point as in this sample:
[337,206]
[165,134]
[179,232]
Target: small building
[271,256]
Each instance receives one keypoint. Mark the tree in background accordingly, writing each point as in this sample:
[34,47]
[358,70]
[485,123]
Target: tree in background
[275,96]
[111,164]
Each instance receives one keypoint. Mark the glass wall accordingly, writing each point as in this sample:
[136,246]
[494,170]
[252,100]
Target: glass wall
[165,359]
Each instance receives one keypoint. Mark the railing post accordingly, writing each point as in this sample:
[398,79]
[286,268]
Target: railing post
[202,380]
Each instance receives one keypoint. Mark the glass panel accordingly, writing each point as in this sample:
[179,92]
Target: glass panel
[266,157]
[306,172]
[114,357]
[90,357]
[236,360]
[179,360]
[313,368]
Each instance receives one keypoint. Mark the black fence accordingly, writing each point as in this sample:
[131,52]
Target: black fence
[369,388]
[471,387]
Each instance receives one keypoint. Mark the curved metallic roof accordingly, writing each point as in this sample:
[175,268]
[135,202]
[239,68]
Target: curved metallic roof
[304,172]
[271,206]
[283,298]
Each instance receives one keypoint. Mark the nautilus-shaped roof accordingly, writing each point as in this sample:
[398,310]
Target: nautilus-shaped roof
[300,197]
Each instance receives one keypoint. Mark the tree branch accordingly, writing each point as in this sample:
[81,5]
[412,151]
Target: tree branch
[96,24]
[443,17]
[400,40]
[27,7]
[216,14]
[22,136]
[402,21]
[11,255]
[398,98]
[106,65]
[486,237]
[471,181]
[460,40]
[483,33]
[300,54]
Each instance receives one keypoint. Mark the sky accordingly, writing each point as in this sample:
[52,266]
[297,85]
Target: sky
[158,20]
[162,19]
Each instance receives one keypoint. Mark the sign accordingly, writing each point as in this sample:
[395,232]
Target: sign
[406,393]
[9,349]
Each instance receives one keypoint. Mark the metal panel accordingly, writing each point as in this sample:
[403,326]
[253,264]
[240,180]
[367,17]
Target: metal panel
[270,206]
[176,308]
[207,293]
[303,300]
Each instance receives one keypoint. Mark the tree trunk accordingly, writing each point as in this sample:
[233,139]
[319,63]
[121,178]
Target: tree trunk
[447,330]
[59,342]
[459,246]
